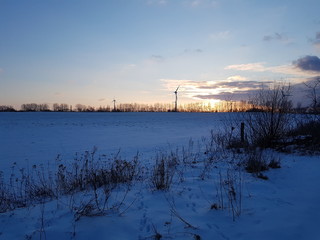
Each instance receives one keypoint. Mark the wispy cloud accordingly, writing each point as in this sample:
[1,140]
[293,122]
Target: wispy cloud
[281,37]
[221,89]
[157,58]
[237,78]
[236,85]
[157,2]
[223,35]
[316,41]
[234,96]
[198,50]
[257,67]
[289,69]
[202,3]
[195,3]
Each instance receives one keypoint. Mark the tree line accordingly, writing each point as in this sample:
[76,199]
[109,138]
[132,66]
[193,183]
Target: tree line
[223,106]
[254,103]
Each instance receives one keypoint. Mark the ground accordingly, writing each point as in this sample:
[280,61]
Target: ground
[286,206]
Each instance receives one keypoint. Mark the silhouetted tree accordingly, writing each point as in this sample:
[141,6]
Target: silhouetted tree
[272,121]
[313,93]
[63,107]
[4,108]
[81,108]
[29,107]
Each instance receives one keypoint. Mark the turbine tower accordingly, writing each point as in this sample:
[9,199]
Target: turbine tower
[114,104]
[176,102]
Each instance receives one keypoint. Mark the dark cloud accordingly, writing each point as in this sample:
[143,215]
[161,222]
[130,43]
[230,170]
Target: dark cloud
[252,88]
[236,90]
[308,63]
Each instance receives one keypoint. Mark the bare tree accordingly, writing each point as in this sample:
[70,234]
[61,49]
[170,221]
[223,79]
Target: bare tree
[43,107]
[81,107]
[63,107]
[272,121]
[5,108]
[313,93]
[29,107]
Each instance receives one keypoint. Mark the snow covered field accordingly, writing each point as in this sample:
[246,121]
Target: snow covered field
[284,207]
[40,137]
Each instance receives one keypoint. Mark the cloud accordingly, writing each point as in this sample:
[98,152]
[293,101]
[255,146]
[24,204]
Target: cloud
[276,37]
[157,58]
[221,89]
[157,2]
[202,3]
[237,87]
[197,50]
[245,85]
[101,99]
[195,3]
[234,96]
[258,67]
[308,63]
[221,35]
[237,78]
[316,40]
[289,69]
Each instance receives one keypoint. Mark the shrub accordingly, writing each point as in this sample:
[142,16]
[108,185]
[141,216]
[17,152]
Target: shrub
[272,123]
[85,173]
[307,133]
[164,171]
[256,163]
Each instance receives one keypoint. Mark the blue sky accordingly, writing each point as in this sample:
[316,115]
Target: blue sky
[89,52]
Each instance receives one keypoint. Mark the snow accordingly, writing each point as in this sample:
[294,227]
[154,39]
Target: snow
[284,207]
[34,137]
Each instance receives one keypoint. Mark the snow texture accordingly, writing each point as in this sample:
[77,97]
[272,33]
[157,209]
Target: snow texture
[284,207]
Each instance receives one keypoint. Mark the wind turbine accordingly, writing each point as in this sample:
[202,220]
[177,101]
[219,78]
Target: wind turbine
[114,104]
[176,102]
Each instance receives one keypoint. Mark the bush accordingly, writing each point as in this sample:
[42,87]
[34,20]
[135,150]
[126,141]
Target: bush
[85,173]
[272,123]
[256,162]
[164,171]
[307,133]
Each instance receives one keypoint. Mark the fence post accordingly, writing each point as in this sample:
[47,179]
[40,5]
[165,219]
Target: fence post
[242,132]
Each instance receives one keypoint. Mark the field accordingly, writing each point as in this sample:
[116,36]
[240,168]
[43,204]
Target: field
[205,191]
[40,137]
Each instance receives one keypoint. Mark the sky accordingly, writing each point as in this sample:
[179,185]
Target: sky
[93,51]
